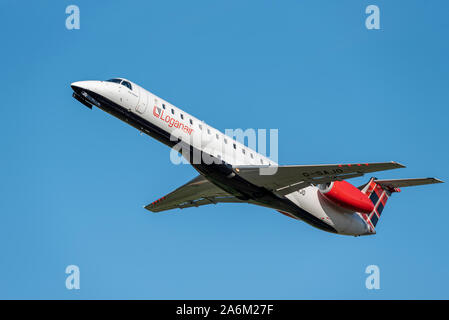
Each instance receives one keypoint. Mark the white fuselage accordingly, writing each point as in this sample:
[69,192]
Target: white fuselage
[199,135]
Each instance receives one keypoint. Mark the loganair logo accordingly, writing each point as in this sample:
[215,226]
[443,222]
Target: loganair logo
[172,122]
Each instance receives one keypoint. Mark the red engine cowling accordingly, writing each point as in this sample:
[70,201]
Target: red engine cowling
[347,196]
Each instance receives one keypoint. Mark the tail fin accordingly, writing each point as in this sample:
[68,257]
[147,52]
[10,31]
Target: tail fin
[379,196]
[380,190]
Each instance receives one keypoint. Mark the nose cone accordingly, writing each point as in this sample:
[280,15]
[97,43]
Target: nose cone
[90,85]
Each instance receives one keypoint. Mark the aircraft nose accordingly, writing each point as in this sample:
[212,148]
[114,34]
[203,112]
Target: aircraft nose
[79,86]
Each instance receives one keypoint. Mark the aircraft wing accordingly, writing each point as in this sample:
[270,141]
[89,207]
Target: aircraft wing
[195,193]
[287,179]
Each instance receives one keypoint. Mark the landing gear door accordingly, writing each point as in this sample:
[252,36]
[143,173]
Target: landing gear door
[143,102]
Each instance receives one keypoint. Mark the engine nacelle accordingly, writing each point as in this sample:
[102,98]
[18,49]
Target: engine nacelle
[347,196]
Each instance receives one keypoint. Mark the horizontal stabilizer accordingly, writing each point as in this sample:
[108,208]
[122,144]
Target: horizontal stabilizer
[401,183]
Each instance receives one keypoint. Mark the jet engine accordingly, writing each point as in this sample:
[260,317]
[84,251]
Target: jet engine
[347,196]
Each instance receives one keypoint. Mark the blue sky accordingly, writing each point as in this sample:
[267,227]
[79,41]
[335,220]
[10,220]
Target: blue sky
[74,180]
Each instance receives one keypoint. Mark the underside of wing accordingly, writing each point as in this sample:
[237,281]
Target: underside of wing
[287,179]
[195,193]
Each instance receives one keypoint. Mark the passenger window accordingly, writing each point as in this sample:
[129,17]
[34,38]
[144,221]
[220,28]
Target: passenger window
[182,116]
[217,136]
[163,106]
[252,157]
[172,111]
[235,147]
[243,151]
[225,141]
[261,161]
[191,122]
[208,131]
[200,126]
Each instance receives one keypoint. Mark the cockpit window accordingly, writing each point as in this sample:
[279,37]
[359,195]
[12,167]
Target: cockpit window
[127,84]
[122,82]
[114,80]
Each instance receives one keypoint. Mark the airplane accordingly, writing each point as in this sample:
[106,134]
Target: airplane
[230,172]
